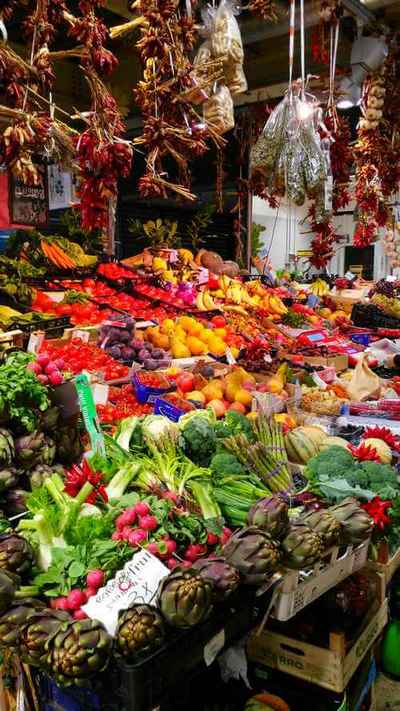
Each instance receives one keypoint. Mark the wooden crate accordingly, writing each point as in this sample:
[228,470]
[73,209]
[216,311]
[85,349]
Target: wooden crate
[330,668]
[386,565]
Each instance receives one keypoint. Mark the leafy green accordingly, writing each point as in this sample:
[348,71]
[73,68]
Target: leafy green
[21,393]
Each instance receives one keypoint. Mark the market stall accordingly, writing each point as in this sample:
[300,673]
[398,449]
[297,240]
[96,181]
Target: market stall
[199,481]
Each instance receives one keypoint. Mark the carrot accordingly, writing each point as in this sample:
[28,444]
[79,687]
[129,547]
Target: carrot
[63,256]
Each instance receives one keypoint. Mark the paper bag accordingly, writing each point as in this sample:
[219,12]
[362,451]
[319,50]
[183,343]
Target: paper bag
[364,384]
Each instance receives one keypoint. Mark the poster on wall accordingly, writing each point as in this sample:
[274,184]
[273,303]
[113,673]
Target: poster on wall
[60,182]
[29,204]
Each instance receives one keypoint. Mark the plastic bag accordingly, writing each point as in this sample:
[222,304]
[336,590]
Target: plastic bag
[218,110]
[364,384]
[226,41]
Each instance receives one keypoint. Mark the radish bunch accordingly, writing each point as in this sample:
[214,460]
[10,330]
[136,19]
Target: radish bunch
[48,372]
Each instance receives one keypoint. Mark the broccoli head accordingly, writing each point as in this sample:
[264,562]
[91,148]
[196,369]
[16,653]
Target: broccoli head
[333,462]
[226,464]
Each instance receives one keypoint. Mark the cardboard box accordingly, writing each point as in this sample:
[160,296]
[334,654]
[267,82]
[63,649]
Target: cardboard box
[340,361]
[330,668]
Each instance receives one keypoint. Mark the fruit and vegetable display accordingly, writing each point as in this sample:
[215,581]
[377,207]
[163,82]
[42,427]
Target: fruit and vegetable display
[213,438]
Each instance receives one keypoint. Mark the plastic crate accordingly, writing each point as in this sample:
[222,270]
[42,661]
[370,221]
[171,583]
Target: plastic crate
[144,393]
[54,326]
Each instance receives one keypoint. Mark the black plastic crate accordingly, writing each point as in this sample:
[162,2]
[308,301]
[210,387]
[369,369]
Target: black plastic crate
[51,326]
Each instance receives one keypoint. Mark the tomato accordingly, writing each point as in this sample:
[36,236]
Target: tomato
[218,321]
[64,309]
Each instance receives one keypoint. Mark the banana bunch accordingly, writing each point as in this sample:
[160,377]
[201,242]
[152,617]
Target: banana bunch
[205,302]
[319,288]
[274,304]
[233,291]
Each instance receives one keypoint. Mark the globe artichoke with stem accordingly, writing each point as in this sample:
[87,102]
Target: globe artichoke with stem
[254,553]
[223,577]
[356,524]
[16,554]
[270,514]
[78,651]
[38,627]
[185,598]
[38,474]
[33,449]
[69,444]
[7,591]
[8,479]
[7,448]
[301,546]
[14,617]
[324,523]
[140,632]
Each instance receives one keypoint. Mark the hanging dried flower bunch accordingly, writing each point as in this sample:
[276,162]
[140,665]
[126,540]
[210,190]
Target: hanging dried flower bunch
[173,131]
[365,233]
[324,240]
[329,12]
[377,147]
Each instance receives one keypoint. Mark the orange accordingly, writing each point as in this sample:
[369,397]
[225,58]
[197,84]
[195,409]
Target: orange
[161,341]
[230,392]
[195,346]
[237,407]
[197,396]
[212,392]
[217,346]
[220,332]
[195,329]
[185,322]
[244,397]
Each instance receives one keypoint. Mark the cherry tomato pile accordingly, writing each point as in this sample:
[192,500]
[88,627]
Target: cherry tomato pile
[78,356]
[88,314]
[114,271]
[122,403]
[152,380]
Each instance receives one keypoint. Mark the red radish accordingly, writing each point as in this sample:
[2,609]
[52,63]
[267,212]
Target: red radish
[50,368]
[76,599]
[35,368]
[126,532]
[129,516]
[152,548]
[185,564]
[43,359]
[172,563]
[142,508]
[60,363]
[120,522]
[171,546]
[79,615]
[225,535]
[148,523]
[42,378]
[195,551]
[60,603]
[56,378]
[89,592]
[136,537]
[95,579]
[117,536]
[212,539]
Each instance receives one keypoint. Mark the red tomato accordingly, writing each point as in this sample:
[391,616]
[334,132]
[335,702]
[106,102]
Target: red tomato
[185,382]
[218,321]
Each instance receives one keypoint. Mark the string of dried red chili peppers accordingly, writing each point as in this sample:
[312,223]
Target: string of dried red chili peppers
[324,240]
[341,157]
[173,131]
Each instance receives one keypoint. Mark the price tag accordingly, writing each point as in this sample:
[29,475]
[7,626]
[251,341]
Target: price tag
[83,335]
[89,413]
[136,583]
[230,357]
[213,647]
[35,342]
[100,393]
[328,193]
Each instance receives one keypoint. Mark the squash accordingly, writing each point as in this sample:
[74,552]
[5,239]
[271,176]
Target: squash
[334,442]
[303,443]
[383,450]
[266,702]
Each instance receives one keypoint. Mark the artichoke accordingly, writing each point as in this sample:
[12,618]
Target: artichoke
[68,444]
[16,554]
[254,553]
[7,591]
[15,501]
[270,514]
[140,632]
[185,598]
[223,577]
[41,472]
[7,448]
[356,524]
[301,546]
[35,448]
[49,419]
[38,627]
[78,651]
[8,479]
[324,523]
[14,617]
